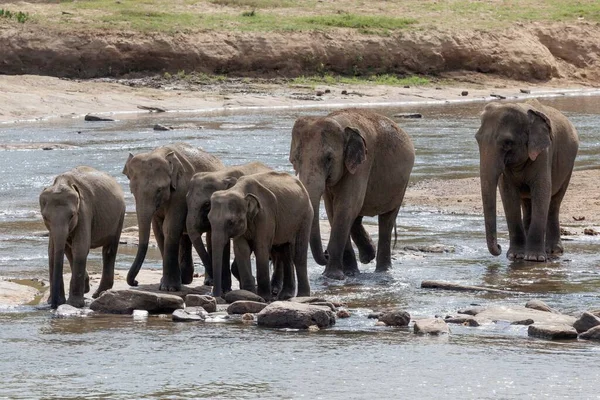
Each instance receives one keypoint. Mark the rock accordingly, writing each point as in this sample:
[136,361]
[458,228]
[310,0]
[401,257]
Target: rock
[308,299]
[408,115]
[395,317]
[526,91]
[236,295]
[472,311]
[344,92]
[527,321]
[466,320]
[343,314]
[498,96]
[590,232]
[248,317]
[245,307]
[95,118]
[375,315]
[13,293]
[159,127]
[319,93]
[287,314]
[552,332]
[431,326]
[152,109]
[464,93]
[519,313]
[66,311]
[586,322]
[380,323]
[436,248]
[209,303]
[540,306]
[591,334]
[595,312]
[125,301]
[313,328]
[186,316]
[324,304]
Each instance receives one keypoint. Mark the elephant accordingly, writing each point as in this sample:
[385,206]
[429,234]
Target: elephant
[159,181]
[527,150]
[83,209]
[201,187]
[269,214]
[360,163]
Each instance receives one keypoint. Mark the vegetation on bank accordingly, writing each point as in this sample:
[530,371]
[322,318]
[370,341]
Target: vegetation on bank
[378,17]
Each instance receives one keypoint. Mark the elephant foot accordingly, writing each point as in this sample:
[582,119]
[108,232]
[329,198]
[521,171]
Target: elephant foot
[168,285]
[208,281]
[76,301]
[537,257]
[351,271]
[515,254]
[334,273]
[265,294]
[187,275]
[383,267]
[276,287]
[285,294]
[555,250]
[366,254]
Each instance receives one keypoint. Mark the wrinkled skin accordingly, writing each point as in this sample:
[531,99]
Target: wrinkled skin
[268,214]
[527,150]
[201,188]
[159,182]
[359,162]
[83,209]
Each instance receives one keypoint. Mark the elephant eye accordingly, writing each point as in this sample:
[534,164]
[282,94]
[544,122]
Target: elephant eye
[206,205]
[507,144]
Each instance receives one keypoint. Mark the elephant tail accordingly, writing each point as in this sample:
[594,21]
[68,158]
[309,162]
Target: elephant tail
[395,236]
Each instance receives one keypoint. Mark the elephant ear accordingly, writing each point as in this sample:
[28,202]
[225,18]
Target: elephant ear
[126,167]
[76,189]
[174,169]
[253,207]
[540,133]
[229,182]
[355,152]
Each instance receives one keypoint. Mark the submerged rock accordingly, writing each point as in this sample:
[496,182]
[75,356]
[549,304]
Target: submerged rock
[591,334]
[466,320]
[540,306]
[236,295]
[66,311]
[520,313]
[586,322]
[343,314]
[286,314]
[431,326]
[245,306]
[125,301]
[209,303]
[552,332]
[189,315]
[95,118]
[395,317]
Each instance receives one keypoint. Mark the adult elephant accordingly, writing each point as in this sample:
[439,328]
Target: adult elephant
[527,150]
[159,182]
[268,214]
[201,188]
[83,209]
[360,163]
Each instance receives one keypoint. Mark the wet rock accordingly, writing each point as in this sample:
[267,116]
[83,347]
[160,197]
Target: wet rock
[408,115]
[245,307]
[344,92]
[395,317]
[95,118]
[67,311]
[459,287]
[519,313]
[380,323]
[595,312]
[159,127]
[314,328]
[125,301]
[498,96]
[527,321]
[236,295]
[431,326]
[307,299]
[436,248]
[12,293]
[325,304]
[590,232]
[248,317]
[526,91]
[152,109]
[464,93]
[209,303]
[375,315]
[472,310]
[586,322]
[466,320]
[286,314]
[591,334]
[540,306]
[343,314]
[552,332]
[188,315]
[319,93]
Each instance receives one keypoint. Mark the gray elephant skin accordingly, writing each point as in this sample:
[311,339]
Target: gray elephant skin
[159,182]
[201,188]
[269,214]
[527,150]
[83,209]
[360,163]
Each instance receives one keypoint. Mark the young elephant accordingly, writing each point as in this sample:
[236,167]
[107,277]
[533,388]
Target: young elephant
[159,182]
[528,151]
[83,209]
[201,188]
[360,163]
[268,214]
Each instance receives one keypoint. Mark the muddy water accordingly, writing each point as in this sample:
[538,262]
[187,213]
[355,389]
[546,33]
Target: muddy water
[118,357]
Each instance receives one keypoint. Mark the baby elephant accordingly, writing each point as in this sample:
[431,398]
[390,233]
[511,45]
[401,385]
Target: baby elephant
[527,150]
[83,209]
[269,214]
[200,189]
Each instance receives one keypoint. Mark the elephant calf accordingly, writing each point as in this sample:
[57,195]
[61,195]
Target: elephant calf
[200,189]
[528,151]
[269,214]
[83,209]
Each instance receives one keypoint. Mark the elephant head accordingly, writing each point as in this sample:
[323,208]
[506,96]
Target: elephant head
[322,152]
[231,214]
[510,137]
[59,205]
[153,178]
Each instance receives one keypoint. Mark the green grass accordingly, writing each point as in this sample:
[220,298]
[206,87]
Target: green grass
[357,21]
[385,79]
[254,4]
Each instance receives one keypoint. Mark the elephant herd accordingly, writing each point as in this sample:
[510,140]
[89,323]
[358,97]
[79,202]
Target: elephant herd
[359,162]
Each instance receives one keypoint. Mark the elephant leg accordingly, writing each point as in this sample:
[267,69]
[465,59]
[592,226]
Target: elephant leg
[225,270]
[78,276]
[554,247]
[300,252]
[384,247]
[277,278]
[535,248]
[526,209]
[171,278]
[109,256]
[208,272]
[283,264]
[366,248]
[234,269]
[242,253]
[340,234]
[61,288]
[263,278]
[186,264]
[157,228]
[511,201]
[350,264]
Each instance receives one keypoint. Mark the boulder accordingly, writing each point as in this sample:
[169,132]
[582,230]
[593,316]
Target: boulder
[245,306]
[591,334]
[395,317]
[12,293]
[466,320]
[189,315]
[125,301]
[236,295]
[472,310]
[540,306]
[343,314]
[431,326]
[209,303]
[287,314]
[586,322]
[95,118]
[66,311]
[552,332]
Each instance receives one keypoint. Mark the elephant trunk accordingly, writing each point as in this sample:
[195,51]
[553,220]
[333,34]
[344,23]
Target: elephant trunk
[489,183]
[218,241]
[144,222]
[316,246]
[59,240]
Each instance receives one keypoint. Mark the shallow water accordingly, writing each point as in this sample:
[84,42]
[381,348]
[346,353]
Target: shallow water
[118,357]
